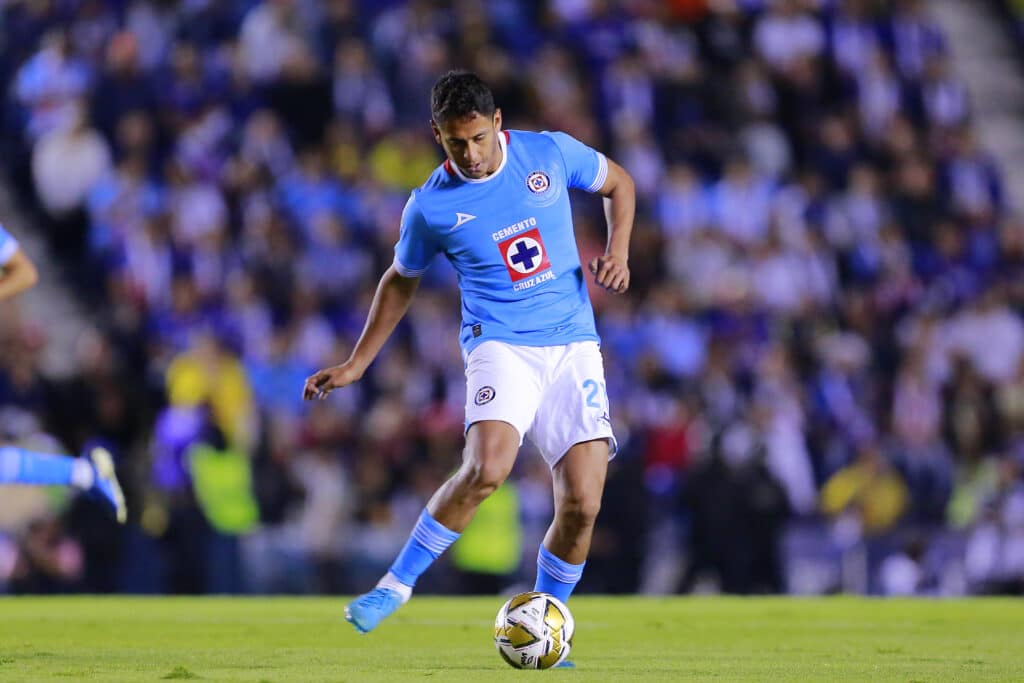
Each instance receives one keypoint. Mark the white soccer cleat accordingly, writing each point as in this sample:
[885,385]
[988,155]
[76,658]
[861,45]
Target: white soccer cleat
[105,486]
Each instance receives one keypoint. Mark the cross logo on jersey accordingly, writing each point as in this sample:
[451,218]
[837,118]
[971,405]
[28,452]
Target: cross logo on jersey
[524,255]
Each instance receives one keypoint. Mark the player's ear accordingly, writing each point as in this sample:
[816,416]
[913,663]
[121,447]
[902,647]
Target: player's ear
[436,131]
[497,119]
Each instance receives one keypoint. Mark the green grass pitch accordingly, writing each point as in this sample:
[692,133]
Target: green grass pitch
[435,639]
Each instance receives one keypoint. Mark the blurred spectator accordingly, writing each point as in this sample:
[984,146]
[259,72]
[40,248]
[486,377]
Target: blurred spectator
[222,480]
[48,560]
[273,378]
[914,37]
[360,93]
[741,204]
[66,163]
[271,34]
[49,84]
[122,87]
[868,494]
[738,510]
[943,97]
[852,38]
[207,372]
[786,34]
[995,547]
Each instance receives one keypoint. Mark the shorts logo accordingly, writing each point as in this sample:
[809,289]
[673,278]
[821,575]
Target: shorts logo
[538,182]
[484,395]
[524,255]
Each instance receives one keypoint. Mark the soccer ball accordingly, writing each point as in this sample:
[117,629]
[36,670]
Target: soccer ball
[534,631]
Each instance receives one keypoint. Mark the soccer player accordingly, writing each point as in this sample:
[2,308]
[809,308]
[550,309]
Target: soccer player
[498,209]
[94,472]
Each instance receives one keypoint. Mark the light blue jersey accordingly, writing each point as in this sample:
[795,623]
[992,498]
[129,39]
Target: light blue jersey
[510,238]
[8,247]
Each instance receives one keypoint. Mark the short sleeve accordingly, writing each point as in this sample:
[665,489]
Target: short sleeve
[586,168]
[8,247]
[416,247]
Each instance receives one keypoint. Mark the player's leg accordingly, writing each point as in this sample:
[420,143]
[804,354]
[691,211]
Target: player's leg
[501,401]
[21,466]
[574,434]
[578,481]
[93,473]
[491,448]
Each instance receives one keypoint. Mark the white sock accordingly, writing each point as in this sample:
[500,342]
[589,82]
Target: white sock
[390,581]
[82,474]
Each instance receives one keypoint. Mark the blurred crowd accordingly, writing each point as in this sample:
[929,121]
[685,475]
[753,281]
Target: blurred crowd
[817,377]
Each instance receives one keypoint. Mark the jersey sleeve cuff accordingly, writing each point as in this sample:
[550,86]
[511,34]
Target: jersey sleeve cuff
[602,173]
[407,272]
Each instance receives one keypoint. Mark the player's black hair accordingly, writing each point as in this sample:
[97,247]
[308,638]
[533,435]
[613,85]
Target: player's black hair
[460,93]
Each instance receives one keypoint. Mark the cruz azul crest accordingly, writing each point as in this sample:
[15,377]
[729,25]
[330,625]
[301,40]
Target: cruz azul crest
[538,182]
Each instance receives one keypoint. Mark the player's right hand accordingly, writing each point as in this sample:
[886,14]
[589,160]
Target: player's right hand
[322,383]
[611,272]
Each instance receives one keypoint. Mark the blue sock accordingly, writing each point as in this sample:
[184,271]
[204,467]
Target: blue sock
[19,466]
[555,575]
[429,538]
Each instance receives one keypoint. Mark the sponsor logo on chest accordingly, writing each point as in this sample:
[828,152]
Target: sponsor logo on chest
[526,260]
[524,254]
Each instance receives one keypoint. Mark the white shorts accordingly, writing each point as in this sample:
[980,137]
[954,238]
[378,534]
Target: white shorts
[553,395]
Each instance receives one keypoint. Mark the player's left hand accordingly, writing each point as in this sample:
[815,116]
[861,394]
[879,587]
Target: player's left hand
[611,272]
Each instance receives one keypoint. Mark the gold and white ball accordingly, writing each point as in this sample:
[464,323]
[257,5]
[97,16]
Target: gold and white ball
[534,631]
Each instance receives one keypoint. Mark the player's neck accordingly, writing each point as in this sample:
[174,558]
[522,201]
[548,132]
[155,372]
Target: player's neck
[499,158]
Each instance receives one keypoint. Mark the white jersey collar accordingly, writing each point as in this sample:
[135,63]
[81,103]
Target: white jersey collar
[504,160]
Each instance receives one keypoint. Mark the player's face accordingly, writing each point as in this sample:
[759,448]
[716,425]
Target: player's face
[471,143]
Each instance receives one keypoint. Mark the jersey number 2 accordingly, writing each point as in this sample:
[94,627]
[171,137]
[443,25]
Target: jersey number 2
[593,387]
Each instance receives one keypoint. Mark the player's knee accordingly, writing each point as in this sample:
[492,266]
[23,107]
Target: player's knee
[579,511]
[487,463]
[484,475]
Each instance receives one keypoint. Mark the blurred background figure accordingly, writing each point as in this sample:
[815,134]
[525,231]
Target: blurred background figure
[824,327]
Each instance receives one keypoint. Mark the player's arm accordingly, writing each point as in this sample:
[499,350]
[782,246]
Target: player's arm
[17,275]
[394,294]
[611,271]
